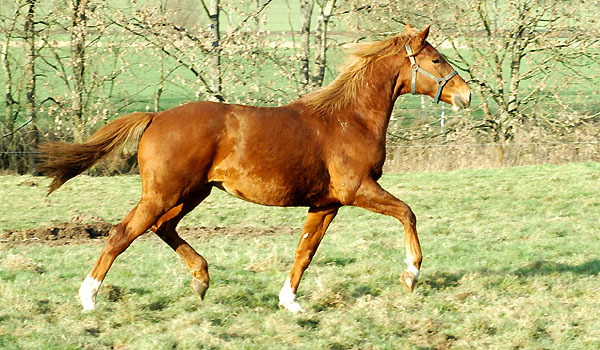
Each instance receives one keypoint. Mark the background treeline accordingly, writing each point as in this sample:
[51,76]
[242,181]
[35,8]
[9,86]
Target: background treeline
[70,66]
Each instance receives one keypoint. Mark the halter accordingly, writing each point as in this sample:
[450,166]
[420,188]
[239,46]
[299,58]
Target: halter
[414,66]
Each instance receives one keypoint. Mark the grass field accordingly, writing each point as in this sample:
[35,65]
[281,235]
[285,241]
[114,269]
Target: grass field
[510,262]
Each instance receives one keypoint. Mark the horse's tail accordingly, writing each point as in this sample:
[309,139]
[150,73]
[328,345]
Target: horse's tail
[63,161]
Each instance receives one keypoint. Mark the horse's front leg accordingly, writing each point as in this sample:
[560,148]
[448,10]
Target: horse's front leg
[372,197]
[316,224]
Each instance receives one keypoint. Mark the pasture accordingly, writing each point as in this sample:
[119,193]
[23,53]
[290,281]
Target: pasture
[510,262]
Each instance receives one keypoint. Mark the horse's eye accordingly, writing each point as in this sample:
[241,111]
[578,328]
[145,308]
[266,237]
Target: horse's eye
[436,60]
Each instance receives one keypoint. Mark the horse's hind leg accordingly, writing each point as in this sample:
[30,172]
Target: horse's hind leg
[165,229]
[120,237]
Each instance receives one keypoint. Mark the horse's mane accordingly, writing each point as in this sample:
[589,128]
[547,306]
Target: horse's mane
[344,89]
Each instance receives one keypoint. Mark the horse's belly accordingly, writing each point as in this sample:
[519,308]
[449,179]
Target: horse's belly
[276,189]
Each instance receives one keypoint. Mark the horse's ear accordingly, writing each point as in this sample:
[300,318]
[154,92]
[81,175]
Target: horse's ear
[420,39]
[408,27]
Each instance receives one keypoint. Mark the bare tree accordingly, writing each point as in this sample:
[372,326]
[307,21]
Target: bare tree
[201,51]
[213,12]
[8,25]
[31,135]
[78,56]
[257,19]
[11,107]
[523,55]
[519,56]
[306,7]
[325,8]
[325,11]
[161,62]
[19,24]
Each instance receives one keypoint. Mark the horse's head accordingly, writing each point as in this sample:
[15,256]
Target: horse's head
[426,72]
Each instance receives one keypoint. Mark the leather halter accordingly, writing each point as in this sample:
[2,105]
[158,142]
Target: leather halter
[414,66]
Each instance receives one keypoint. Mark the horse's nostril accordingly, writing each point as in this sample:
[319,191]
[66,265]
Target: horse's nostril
[461,101]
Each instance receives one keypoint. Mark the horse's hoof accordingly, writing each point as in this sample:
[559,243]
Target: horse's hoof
[88,307]
[87,293]
[293,307]
[409,281]
[199,288]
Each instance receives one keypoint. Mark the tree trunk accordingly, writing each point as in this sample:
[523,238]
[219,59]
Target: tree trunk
[306,7]
[161,58]
[257,18]
[78,32]
[512,105]
[326,8]
[31,137]
[10,102]
[11,108]
[216,82]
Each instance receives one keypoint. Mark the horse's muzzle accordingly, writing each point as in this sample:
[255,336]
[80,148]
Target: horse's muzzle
[461,101]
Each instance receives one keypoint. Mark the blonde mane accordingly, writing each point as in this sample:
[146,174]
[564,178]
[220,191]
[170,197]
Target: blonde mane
[344,90]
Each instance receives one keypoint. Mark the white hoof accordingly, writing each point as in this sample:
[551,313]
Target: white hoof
[410,276]
[412,269]
[288,300]
[293,307]
[87,293]
[88,305]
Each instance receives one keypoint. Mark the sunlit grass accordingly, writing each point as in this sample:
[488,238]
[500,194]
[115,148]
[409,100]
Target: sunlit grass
[510,261]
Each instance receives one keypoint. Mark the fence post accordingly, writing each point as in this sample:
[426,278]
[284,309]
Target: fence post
[443,119]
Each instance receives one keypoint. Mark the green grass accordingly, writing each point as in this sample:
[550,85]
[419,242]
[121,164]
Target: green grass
[510,261]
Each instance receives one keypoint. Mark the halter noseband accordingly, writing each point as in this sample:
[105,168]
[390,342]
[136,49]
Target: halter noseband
[414,66]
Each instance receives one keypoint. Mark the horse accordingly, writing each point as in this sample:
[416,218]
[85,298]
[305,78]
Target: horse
[323,151]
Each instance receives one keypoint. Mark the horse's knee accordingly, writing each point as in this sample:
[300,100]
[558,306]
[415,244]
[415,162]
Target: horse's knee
[406,215]
[117,240]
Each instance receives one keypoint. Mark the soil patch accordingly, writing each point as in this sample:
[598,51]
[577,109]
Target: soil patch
[88,229]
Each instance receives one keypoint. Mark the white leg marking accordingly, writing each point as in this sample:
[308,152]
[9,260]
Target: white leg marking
[287,298]
[412,269]
[87,293]
[410,265]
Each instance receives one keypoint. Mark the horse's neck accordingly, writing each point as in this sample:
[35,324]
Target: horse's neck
[366,103]
[375,102]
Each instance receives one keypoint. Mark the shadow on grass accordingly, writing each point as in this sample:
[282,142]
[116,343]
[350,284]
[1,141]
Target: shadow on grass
[441,280]
[337,261]
[543,267]
[444,280]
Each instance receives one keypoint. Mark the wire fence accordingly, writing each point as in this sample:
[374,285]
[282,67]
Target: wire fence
[19,152]
[492,144]
[454,156]
[441,156]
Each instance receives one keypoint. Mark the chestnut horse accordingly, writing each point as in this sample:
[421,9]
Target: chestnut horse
[323,151]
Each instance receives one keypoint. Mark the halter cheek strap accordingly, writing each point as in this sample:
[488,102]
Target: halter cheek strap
[414,66]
